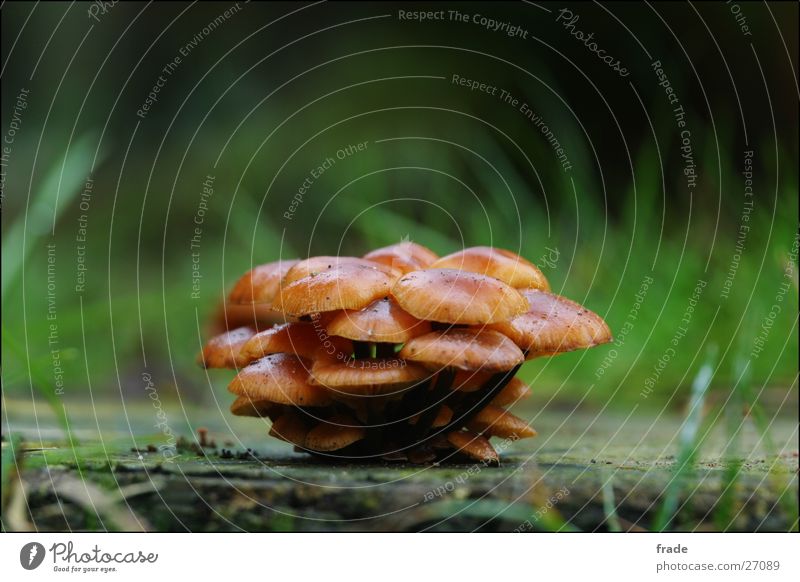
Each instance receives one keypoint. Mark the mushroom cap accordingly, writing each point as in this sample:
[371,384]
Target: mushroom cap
[513,392]
[260,284]
[495,421]
[404,256]
[464,349]
[317,265]
[306,340]
[368,376]
[229,316]
[498,263]
[334,434]
[245,406]
[473,445]
[381,321]
[281,378]
[554,324]
[290,427]
[224,350]
[346,286]
[452,296]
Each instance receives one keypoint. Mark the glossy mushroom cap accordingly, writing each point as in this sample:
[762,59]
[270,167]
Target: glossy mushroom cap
[306,340]
[280,378]
[498,263]
[473,445]
[316,265]
[224,350]
[229,316]
[451,296]
[554,324]
[347,286]
[405,256]
[370,376]
[382,321]
[260,284]
[464,349]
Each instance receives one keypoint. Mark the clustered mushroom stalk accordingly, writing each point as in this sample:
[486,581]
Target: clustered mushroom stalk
[397,355]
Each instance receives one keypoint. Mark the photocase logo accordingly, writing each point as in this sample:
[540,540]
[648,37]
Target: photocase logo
[31,555]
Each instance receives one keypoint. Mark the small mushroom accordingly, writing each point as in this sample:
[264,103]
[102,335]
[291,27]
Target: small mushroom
[382,321]
[346,286]
[498,263]
[464,349]
[313,266]
[300,338]
[473,445]
[224,350]
[495,421]
[404,256]
[513,392]
[370,376]
[459,297]
[290,427]
[245,406]
[554,324]
[336,433]
[260,284]
[281,378]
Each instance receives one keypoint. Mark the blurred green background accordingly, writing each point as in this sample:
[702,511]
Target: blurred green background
[261,97]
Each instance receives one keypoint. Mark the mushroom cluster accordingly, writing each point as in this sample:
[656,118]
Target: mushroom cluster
[397,355]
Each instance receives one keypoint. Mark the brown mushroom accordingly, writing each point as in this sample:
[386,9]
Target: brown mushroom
[464,349]
[473,445]
[404,256]
[513,392]
[336,433]
[495,421]
[245,406]
[498,263]
[346,286]
[300,338]
[554,324]
[280,378]
[459,297]
[229,316]
[224,350]
[260,284]
[370,376]
[383,321]
[290,427]
[315,265]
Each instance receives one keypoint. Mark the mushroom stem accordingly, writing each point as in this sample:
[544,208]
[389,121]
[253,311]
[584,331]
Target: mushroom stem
[361,350]
[473,402]
[431,406]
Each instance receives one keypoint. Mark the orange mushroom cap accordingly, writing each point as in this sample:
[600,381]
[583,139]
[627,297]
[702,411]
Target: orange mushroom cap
[404,256]
[334,434]
[498,263]
[245,406]
[554,324]
[452,296]
[280,378]
[473,445]
[290,427]
[347,286]
[464,349]
[513,392]
[303,339]
[315,265]
[382,321]
[492,420]
[224,350]
[369,376]
[260,284]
